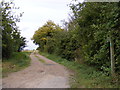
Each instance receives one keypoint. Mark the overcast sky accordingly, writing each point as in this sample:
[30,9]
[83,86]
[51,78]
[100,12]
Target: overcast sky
[37,12]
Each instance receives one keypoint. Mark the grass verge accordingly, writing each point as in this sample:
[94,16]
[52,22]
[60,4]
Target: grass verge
[18,61]
[85,76]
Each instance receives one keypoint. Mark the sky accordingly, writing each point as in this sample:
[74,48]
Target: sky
[37,13]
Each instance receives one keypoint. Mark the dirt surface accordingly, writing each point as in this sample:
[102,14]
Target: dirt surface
[47,74]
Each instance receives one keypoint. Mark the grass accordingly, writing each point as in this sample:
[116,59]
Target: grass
[18,61]
[85,76]
[41,60]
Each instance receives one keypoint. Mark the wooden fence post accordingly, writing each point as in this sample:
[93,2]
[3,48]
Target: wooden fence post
[112,57]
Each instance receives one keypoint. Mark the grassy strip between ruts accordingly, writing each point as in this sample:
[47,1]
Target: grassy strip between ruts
[85,76]
[18,61]
[41,60]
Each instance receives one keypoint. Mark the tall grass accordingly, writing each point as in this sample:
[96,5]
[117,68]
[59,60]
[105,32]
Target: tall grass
[85,76]
[18,61]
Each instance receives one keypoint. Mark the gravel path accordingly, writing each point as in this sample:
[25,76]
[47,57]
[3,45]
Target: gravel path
[47,74]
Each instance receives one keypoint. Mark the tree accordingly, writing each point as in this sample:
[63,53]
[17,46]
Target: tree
[96,22]
[44,36]
[11,38]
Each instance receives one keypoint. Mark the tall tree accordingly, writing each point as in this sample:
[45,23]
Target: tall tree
[11,38]
[44,36]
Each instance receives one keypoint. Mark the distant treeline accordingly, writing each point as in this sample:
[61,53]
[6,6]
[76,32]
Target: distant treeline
[86,36]
[12,41]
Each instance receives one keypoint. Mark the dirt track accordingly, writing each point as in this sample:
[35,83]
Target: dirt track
[46,74]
